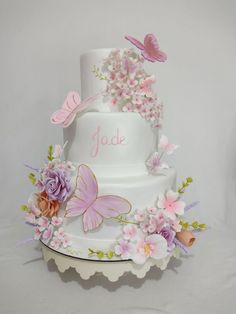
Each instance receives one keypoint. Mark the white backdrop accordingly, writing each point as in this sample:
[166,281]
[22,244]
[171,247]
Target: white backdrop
[40,45]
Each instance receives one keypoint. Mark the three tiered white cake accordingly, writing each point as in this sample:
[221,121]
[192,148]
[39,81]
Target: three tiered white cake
[112,198]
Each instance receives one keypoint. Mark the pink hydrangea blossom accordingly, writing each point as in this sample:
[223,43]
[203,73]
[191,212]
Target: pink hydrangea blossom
[130,232]
[30,218]
[55,243]
[139,215]
[66,241]
[175,225]
[37,233]
[47,234]
[124,249]
[56,221]
[171,204]
[129,86]
[154,246]
[34,210]
[43,223]
[58,150]
[152,210]
[60,233]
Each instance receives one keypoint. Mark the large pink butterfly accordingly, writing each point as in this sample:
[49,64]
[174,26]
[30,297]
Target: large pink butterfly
[94,208]
[71,106]
[150,48]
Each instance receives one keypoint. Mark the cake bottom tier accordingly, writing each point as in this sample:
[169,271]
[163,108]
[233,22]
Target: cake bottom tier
[141,192]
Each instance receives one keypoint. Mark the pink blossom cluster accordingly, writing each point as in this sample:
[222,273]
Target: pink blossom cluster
[153,231]
[129,85]
[47,229]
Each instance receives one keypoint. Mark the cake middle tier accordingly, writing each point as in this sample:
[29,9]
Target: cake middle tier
[141,192]
[113,144]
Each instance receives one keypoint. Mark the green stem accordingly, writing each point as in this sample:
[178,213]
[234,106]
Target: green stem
[122,220]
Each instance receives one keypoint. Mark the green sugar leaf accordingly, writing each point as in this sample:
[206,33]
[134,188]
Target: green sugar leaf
[110,254]
[202,226]
[100,254]
[194,224]
[98,74]
[189,179]
[50,153]
[24,208]
[32,178]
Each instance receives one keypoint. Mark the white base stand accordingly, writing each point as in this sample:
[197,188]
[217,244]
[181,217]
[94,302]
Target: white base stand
[113,270]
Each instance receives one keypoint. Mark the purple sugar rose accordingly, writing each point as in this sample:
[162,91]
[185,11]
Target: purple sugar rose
[57,184]
[169,235]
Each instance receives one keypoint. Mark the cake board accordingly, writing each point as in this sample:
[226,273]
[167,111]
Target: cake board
[112,270]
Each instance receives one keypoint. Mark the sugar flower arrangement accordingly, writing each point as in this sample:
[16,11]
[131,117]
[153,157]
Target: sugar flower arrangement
[53,188]
[130,86]
[157,231]
[154,232]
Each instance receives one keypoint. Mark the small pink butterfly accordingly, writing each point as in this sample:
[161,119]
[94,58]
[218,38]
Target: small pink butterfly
[166,146]
[94,208]
[71,106]
[150,48]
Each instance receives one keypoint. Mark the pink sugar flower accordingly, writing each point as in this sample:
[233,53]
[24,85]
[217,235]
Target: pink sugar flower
[55,243]
[30,218]
[47,234]
[43,223]
[166,146]
[154,246]
[139,215]
[176,226]
[152,227]
[144,225]
[60,233]
[37,233]
[130,232]
[114,101]
[124,249]
[154,163]
[152,210]
[58,150]
[146,86]
[57,221]
[66,241]
[171,204]
[132,82]
[34,210]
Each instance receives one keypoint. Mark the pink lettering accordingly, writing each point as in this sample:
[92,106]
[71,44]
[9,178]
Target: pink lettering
[102,140]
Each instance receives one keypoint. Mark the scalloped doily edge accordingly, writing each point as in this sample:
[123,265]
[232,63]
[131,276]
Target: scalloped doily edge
[111,270]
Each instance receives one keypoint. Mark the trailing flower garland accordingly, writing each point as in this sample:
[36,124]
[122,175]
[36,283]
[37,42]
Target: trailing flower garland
[154,233]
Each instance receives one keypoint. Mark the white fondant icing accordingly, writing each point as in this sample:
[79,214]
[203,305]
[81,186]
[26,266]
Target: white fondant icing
[140,191]
[112,144]
[115,145]
[90,84]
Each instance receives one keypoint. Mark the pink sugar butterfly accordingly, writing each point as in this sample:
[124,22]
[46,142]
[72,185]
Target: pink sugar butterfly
[71,106]
[150,48]
[166,146]
[94,208]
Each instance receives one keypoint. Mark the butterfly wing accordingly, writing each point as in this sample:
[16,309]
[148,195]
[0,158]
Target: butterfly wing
[59,116]
[108,206]
[152,52]
[66,114]
[85,192]
[135,42]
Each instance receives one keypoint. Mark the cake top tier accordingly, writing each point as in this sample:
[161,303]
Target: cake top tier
[115,80]
[89,63]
